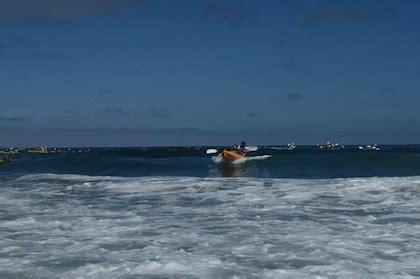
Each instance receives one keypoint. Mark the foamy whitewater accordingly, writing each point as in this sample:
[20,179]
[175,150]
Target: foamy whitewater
[176,213]
[71,226]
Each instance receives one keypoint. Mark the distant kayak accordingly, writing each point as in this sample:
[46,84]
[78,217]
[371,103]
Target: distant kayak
[230,156]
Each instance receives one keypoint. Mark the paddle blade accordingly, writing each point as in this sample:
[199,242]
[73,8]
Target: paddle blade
[211,151]
[251,148]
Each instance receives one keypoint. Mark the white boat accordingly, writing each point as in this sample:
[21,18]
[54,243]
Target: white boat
[369,147]
[40,150]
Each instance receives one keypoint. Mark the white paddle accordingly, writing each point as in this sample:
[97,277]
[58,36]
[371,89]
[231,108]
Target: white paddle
[211,151]
[251,148]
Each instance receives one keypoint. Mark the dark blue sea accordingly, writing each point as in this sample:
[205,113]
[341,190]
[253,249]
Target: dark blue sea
[176,212]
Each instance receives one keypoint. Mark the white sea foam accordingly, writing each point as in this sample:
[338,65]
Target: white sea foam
[252,158]
[277,148]
[72,226]
[218,159]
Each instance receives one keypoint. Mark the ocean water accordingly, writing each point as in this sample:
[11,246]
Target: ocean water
[175,213]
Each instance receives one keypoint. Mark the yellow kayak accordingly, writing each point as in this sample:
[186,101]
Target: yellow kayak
[229,156]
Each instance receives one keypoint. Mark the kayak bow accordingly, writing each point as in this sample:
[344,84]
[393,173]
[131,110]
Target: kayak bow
[229,156]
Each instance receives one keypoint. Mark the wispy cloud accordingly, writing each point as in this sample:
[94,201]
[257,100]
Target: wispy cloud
[15,40]
[280,43]
[337,13]
[60,10]
[72,111]
[152,112]
[251,115]
[73,114]
[389,91]
[232,12]
[115,110]
[105,91]
[13,118]
[291,64]
[294,96]
[155,112]
[229,11]
[47,55]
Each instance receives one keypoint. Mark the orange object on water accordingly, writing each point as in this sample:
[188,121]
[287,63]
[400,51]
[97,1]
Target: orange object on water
[229,156]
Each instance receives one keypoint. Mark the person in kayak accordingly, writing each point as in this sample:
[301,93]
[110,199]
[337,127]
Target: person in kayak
[242,148]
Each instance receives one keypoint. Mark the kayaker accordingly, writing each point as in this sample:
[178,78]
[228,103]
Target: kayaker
[242,148]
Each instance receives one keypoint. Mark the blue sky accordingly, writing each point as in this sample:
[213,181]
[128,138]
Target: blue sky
[118,73]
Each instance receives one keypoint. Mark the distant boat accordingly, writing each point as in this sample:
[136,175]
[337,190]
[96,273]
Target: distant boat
[290,146]
[10,150]
[330,147]
[40,150]
[369,148]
